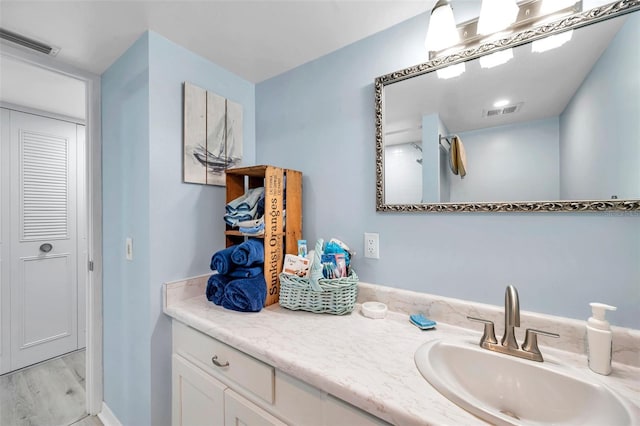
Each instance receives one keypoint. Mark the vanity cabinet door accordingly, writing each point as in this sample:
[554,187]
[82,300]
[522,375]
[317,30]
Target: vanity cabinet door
[240,411]
[197,398]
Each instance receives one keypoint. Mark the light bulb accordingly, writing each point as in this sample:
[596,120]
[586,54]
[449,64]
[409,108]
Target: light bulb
[497,58]
[442,32]
[451,71]
[551,6]
[496,15]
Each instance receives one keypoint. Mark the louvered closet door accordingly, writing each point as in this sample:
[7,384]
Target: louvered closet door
[44,309]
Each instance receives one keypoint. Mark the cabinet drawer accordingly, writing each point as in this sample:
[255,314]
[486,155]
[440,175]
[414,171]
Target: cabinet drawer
[205,351]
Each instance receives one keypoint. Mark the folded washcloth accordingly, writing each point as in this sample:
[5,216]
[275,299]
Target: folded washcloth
[247,201]
[221,260]
[245,294]
[245,272]
[216,286]
[258,229]
[250,223]
[232,219]
[249,253]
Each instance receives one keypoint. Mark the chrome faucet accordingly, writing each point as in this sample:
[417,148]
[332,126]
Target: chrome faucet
[509,345]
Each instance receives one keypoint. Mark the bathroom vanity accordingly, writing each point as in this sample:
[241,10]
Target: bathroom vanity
[280,367]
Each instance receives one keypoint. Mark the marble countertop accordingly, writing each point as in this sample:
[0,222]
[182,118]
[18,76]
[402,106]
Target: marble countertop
[365,362]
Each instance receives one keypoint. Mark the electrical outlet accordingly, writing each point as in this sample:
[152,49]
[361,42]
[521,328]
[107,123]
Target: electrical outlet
[371,245]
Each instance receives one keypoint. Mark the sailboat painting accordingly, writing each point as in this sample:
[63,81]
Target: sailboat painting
[212,136]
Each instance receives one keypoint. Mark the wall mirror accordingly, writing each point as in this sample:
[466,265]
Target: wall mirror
[566,136]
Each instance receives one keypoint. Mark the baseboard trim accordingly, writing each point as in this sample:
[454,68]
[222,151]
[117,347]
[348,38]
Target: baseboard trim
[107,417]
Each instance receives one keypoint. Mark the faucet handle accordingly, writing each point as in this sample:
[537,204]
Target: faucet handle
[531,340]
[489,335]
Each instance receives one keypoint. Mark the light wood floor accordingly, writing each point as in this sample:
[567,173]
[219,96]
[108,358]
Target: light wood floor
[51,393]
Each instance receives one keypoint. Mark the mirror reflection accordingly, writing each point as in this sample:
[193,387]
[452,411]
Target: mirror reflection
[556,119]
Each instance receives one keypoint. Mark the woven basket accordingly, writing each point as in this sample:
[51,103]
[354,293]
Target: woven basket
[338,296]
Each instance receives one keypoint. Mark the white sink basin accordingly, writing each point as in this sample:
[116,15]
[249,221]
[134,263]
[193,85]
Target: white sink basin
[506,390]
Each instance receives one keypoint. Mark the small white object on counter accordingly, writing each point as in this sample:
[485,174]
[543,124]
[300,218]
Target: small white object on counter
[375,310]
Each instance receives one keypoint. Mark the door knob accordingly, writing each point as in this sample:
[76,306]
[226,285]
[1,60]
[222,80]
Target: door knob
[46,248]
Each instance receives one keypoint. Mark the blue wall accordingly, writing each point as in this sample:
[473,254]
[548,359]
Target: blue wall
[175,226]
[319,118]
[430,158]
[516,162]
[597,159]
[125,181]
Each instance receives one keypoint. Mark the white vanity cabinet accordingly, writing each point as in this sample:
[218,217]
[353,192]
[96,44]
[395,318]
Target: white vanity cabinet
[216,384]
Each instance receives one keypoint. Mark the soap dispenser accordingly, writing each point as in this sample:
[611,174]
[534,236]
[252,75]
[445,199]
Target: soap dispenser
[599,339]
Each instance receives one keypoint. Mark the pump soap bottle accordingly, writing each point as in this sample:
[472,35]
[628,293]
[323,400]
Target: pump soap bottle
[599,339]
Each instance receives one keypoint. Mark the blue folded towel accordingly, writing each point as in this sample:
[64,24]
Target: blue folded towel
[216,286]
[221,261]
[245,294]
[246,201]
[232,219]
[245,272]
[249,253]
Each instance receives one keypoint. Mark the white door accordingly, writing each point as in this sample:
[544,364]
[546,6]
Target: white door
[43,246]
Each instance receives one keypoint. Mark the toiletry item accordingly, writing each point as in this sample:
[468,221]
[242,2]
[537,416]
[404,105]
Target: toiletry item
[296,265]
[422,322]
[599,344]
[302,248]
[337,246]
[375,310]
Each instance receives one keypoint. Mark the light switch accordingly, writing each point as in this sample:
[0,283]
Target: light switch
[129,249]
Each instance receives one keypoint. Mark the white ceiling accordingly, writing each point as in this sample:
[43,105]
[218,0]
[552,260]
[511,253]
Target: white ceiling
[253,39]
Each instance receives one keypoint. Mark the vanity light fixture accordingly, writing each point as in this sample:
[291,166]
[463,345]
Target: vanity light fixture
[497,58]
[451,71]
[442,32]
[551,42]
[496,15]
[498,19]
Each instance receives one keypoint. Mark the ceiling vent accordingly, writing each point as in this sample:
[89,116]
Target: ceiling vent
[28,42]
[509,109]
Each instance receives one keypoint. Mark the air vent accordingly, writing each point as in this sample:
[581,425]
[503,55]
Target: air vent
[509,109]
[28,42]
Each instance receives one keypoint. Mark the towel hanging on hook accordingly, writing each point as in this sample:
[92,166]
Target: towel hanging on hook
[457,154]
[461,157]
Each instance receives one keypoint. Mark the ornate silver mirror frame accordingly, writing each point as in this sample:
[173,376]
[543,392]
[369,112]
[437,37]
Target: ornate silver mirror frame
[574,21]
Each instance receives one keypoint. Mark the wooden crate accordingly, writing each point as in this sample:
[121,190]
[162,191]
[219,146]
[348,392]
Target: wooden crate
[276,241]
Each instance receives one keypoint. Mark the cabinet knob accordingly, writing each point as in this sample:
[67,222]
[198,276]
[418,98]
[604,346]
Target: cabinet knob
[217,363]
